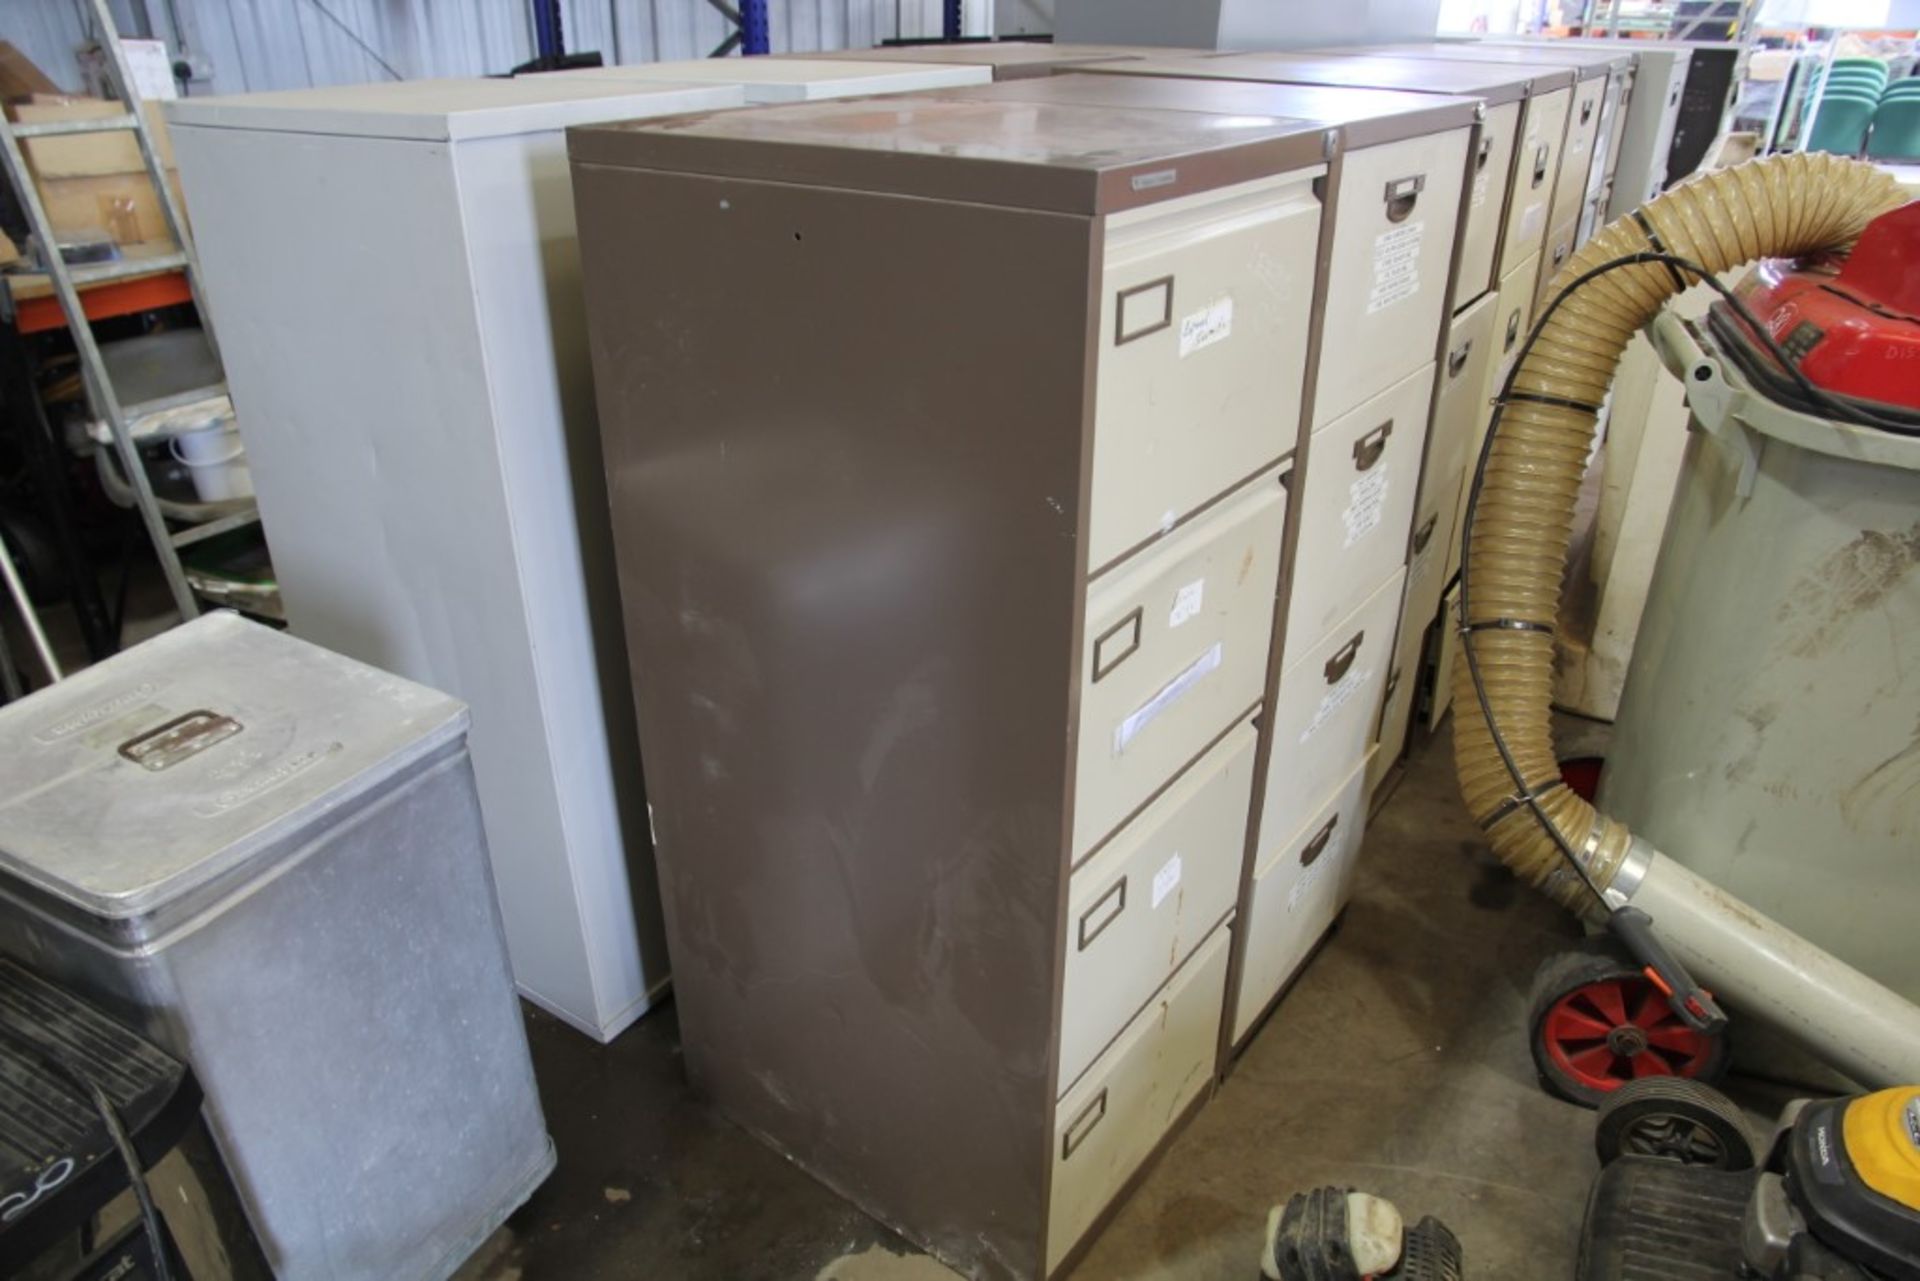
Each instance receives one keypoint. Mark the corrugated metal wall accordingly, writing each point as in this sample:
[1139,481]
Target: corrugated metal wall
[250,45]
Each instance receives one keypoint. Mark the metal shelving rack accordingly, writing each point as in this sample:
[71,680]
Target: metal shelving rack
[128,424]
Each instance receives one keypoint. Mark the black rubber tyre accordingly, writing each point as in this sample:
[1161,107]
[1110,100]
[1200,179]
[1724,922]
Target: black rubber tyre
[1595,1022]
[1676,1120]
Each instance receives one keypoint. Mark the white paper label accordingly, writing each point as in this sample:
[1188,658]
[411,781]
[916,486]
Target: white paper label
[1366,503]
[1211,324]
[1334,699]
[1186,602]
[1166,880]
[1172,692]
[1396,266]
[1533,222]
[1328,857]
[1480,188]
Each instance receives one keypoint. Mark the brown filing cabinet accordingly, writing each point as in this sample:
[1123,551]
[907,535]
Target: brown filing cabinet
[949,441]
[1405,161]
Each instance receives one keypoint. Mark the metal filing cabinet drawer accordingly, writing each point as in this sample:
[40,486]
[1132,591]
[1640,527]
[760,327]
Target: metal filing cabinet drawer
[1577,167]
[1112,1120]
[1560,243]
[1139,906]
[1326,711]
[1297,893]
[1176,647]
[1202,352]
[1463,378]
[1487,204]
[1387,282]
[1543,126]
[1358,507]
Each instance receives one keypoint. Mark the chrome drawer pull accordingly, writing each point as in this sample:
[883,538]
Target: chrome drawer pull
[1338,665]
[1318,845]
[1117,896]
[1368,449]
[1424,535]
[1402,195]
[1082,1125]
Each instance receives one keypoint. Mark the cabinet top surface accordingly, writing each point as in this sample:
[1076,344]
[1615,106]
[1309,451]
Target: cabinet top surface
[1490,82]
[857,75]
[1587,61]
[1001,144]
[452,109]
[1368,116]
[1011,54]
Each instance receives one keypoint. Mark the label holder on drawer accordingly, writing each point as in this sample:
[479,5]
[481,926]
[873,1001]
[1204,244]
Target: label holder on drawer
[1424,535]
[1082,1125]
[1342,662]
[1117,895]
[1313,849]
[1103,664]
[1369,449]
[1402,195]
[1140,300]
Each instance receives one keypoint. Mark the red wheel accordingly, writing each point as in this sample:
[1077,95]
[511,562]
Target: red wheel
[1599,1023]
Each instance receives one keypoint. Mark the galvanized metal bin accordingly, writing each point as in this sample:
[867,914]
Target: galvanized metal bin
[270,858]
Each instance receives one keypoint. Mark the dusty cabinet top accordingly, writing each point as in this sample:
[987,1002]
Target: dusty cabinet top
[148,776]
[1491,83]
[450,110]
[791,79]
[971,145]
[1364,117]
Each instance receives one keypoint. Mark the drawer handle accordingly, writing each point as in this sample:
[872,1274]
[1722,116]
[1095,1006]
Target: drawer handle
[1560,254]
[1540,158]
[1393,686]
[1402,195]
[1513,331]
[1116,896]
[1486,150]
[1105,661]
[1286,480]
[1147,317]
[1368,449]
[1457,358]
[1424,535]
[1082,1125]
[1314,848]
[1338,665]
[1586,111]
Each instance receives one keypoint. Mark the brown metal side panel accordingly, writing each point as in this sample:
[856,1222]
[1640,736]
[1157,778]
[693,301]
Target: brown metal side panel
[843,441]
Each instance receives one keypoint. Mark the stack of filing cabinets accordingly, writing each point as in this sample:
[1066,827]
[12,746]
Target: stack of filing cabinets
[1000,483]
[1514,178]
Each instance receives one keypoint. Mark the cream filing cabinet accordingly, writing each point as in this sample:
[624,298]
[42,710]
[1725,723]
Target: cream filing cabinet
[963,595]
[1407,157]
[417,403]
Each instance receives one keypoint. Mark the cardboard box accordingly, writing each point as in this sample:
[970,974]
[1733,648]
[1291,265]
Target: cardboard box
[19,77]
[124,206]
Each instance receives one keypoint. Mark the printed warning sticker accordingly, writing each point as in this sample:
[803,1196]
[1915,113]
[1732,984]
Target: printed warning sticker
[1211,324]
[1336,698]
[1366,504]
[1396,266]
[1166,880]
[1187,602]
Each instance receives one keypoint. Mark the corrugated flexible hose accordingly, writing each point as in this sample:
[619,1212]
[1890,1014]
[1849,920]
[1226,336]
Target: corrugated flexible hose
[1778,206]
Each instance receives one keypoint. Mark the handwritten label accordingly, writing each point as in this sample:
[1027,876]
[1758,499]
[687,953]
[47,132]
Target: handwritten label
[1312,875]
[1166,880]
[1396,266]
[1211,324]
[1336,698]
[1366,504]
[1170,693]
[1187,602]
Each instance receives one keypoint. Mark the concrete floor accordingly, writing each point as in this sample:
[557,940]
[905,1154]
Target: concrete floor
[1398,1063]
